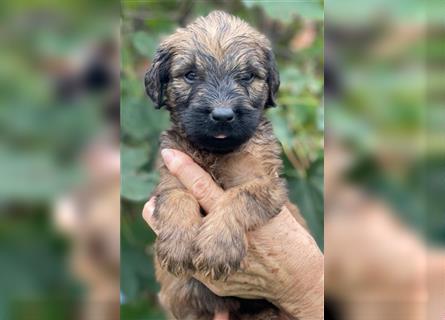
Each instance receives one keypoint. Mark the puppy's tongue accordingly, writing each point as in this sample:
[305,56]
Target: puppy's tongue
[221,136]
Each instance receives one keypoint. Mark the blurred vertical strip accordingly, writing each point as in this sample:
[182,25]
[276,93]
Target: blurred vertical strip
[435,171]
[59,159]
[385,159]
[435,119]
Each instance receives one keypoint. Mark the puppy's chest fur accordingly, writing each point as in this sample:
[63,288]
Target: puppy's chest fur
[255,193]
[257,158]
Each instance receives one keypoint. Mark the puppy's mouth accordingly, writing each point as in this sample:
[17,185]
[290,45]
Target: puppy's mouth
[218,137]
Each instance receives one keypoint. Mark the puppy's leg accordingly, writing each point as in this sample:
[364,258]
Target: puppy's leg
[221,241]
[178,215]
[205,302]
[175,297]
[188,298]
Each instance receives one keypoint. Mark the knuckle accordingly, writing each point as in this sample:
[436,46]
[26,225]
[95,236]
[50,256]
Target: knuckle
[149,206]
[147,211]
[201,187]
[145,214]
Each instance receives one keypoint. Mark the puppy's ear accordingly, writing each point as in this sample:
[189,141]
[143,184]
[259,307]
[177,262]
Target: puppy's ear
[158,76]
[273,78]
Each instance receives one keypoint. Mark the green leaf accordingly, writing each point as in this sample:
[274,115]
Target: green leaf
[287,10]
[133,157]
[308,201]
[281,129]
[307,194]
[137,273]
[145,43]
[138,186]
[135,117]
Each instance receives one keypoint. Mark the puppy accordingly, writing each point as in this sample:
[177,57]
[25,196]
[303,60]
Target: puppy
[216,77]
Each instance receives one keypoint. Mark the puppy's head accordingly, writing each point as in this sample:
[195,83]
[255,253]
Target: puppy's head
[216,76]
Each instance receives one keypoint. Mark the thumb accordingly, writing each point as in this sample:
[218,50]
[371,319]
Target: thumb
[193,177]
[147,214]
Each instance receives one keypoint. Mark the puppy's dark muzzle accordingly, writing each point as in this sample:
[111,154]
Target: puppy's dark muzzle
[222,114]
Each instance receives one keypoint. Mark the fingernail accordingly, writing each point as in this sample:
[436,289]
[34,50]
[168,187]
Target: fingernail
[167,155]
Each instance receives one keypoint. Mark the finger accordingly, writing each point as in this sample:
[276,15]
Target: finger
[221,316]
[238,284]
[147,214]
[193,177]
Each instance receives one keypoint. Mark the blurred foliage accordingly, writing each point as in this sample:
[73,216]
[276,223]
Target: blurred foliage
[296,30]
[385,91]
[40,141]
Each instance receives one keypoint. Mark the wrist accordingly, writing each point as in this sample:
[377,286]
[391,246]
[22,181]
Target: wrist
[304,306]
[299,287]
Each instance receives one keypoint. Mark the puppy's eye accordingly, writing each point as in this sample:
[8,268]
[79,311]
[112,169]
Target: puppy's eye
[248,77]
[190,76]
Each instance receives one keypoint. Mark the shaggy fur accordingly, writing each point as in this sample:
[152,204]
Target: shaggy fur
[216,62]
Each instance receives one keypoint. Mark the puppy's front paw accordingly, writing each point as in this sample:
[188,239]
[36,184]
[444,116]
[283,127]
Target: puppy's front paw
[219,249]
[174,251]
[178,218]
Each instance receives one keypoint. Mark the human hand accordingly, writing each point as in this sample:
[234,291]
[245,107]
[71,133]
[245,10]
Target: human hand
[283,263]
[378,266]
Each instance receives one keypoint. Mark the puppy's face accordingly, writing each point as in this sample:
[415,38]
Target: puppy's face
[215,77]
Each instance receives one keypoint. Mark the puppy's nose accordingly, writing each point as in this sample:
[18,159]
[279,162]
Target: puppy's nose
[222,114]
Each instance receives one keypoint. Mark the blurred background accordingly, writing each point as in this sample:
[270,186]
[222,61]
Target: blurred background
[295,29]
[385,160]
[59,160]
[384,172]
